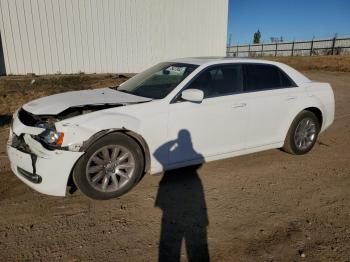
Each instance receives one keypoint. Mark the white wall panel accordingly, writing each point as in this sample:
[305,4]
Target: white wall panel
[100,36]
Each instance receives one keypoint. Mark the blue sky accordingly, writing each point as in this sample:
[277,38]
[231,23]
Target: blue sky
[292,19]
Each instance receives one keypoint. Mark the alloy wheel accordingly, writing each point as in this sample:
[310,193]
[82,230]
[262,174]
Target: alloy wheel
[110,168]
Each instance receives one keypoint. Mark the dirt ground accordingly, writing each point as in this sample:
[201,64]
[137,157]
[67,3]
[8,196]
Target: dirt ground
[268,206]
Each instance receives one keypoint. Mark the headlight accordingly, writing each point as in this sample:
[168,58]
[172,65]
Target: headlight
[52,137]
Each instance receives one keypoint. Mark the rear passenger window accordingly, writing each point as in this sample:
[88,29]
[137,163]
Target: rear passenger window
[219,81]
[265,77]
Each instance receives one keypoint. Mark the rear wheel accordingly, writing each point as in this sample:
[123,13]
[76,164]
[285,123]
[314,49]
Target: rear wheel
[110,167]
[302,134]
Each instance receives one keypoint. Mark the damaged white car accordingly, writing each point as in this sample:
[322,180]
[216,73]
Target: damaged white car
[175,114]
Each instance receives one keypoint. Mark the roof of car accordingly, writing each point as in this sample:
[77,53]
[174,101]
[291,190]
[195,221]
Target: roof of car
[212,60]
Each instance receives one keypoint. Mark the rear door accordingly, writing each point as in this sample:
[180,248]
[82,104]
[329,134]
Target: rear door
[271,95]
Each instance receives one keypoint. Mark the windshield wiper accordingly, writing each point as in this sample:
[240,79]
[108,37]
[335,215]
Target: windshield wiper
[125,91]
[128,92]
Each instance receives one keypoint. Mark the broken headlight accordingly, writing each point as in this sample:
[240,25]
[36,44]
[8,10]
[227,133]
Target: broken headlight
[50,136]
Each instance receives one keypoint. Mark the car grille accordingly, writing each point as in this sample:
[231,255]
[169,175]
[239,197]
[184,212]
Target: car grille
[19,143]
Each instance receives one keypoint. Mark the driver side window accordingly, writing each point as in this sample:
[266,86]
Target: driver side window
[219,80]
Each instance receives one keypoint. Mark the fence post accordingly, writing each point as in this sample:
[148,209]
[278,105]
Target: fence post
[312,47]
[293,49]
[249,50]
[262,49]
[333,45]
[237,50]
[276,50]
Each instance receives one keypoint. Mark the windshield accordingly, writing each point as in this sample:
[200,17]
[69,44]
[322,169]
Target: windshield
[158,81]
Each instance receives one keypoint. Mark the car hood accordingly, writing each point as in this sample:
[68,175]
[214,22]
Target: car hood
[55,104]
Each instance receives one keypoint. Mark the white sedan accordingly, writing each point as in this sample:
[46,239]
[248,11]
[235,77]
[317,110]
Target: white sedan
[177,113]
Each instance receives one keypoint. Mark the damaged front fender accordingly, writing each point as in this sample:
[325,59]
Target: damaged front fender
[79,130]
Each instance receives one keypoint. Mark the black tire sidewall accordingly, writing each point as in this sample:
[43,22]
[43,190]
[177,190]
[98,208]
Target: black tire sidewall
[297,120]
[79,172]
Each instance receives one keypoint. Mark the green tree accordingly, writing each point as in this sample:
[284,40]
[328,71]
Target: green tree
[257,37]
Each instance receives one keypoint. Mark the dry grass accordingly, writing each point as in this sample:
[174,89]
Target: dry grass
[320,63]
[17,90]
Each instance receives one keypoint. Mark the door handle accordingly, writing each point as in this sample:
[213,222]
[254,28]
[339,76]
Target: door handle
[239,105]
[291,98]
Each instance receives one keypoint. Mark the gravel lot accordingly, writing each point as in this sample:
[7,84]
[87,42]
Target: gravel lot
[268,206]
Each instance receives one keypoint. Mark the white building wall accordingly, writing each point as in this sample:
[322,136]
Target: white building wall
[100,36]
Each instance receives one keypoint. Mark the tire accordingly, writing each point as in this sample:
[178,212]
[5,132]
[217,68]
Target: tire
[110,167]
[294,142]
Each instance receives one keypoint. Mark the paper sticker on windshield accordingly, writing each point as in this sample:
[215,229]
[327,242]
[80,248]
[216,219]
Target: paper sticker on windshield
[176,70]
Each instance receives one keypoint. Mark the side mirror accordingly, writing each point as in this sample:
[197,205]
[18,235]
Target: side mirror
[192,95]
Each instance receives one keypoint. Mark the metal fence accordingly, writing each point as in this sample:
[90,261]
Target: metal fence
[333,46]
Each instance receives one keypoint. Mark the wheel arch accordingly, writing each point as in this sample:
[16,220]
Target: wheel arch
[133,135]
[317,112]
[314,109]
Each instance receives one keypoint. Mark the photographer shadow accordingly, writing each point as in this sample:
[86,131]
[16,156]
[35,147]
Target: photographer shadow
[181,198]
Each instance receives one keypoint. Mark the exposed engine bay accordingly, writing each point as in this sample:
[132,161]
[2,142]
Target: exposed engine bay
[50,138]
[50,120]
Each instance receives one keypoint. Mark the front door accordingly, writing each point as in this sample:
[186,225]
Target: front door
[214,126]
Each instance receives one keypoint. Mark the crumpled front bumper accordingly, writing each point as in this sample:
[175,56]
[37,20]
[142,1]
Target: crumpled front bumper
[43,170]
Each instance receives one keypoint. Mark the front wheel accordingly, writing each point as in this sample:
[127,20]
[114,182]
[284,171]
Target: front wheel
[302,134]
[110,167]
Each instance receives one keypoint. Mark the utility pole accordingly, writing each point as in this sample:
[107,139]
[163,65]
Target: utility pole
[333,43]
[312,46]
